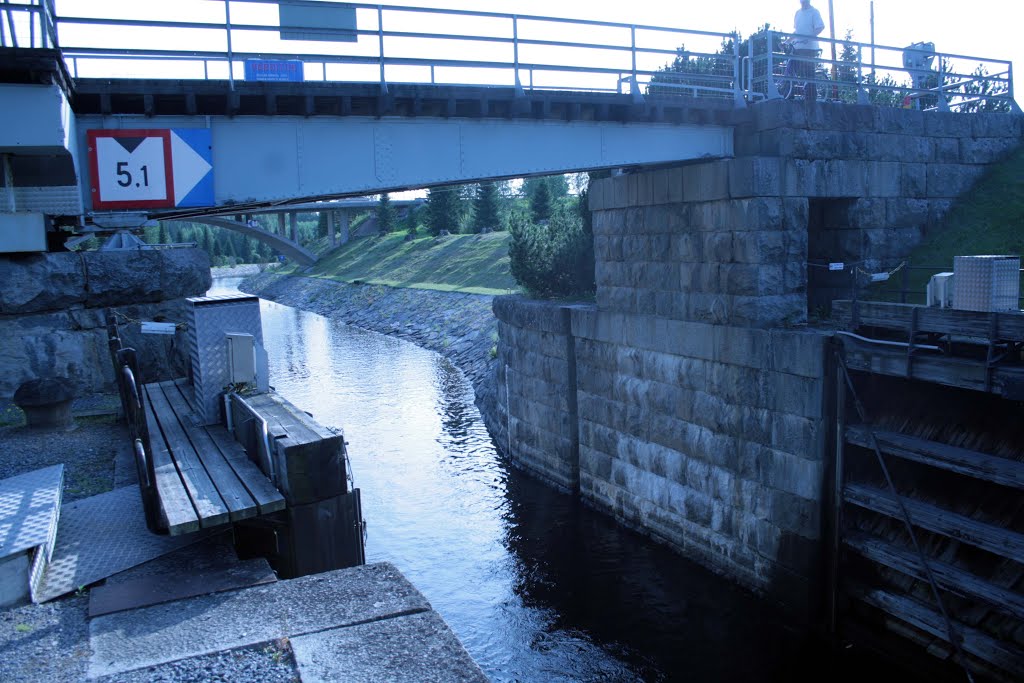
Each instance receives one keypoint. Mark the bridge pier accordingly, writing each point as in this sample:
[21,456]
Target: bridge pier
[691,401]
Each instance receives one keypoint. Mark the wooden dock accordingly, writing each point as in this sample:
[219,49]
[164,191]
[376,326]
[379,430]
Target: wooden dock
[204,477]
[932,406]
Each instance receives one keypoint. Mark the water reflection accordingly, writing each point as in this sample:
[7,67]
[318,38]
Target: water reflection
[537,586]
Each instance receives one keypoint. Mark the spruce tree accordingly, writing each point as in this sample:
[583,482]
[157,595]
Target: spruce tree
[540,202]
[442,210]
[485,208]
[385,214]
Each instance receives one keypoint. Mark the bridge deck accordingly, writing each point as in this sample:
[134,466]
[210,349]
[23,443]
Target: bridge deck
[204,477]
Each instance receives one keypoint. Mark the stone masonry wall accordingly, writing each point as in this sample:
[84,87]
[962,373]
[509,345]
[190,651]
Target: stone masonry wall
[700,394]
[53,313]
[535,383]
[710,438]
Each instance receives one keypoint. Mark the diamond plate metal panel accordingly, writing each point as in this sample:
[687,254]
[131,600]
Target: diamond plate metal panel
[986,283]
[29,508]
[64,200]
[101,536]
[210,318]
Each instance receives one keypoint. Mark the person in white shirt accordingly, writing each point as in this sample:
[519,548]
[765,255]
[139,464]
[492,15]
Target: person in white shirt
[807,24]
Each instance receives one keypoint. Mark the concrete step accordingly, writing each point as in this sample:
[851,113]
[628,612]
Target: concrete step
[350,608]
[29,511]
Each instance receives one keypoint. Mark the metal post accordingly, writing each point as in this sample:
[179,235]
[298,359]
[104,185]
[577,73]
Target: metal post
[515,55]
[32,25]
[380,40]
[12,200]
[772,90]
[943,105]
[10,25]
[873,39]
[737,86]
[862,94]
[231,59]
[634,87]
[1014,107]
[3,35]
[837,497]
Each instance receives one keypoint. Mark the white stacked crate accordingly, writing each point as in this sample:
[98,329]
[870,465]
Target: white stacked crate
[986,283]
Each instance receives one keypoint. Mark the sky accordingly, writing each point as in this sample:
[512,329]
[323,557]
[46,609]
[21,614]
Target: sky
[990,29]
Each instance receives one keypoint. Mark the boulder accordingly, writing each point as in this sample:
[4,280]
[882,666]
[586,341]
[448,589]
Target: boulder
[41,282]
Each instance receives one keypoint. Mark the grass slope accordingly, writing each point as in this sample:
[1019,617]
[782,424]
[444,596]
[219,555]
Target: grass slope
[988,219]
[476,264]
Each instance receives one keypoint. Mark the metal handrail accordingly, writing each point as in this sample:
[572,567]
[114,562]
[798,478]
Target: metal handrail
[586,67]
[949,91]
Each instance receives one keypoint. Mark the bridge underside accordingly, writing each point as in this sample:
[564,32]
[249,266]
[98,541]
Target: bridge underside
[413,138]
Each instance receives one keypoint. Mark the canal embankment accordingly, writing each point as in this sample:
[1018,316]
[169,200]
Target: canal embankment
[459,326]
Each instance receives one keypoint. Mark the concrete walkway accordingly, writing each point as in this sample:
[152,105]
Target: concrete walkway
[366,623]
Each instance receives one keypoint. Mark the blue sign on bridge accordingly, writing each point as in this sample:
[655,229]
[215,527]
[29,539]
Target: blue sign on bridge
[283,70]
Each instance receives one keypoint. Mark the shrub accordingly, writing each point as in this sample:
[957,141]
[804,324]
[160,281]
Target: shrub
[552,260]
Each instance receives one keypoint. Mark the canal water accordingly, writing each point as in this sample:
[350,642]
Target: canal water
[537,586]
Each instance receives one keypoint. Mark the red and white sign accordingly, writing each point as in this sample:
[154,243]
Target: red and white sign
[131,169]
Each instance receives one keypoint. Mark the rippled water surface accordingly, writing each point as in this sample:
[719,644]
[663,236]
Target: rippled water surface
[537,587]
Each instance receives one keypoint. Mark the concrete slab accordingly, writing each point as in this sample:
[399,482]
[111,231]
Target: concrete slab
[164,633]
[101,536]
[418,648]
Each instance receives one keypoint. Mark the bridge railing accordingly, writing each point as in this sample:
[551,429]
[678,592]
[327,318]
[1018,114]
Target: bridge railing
[916,77]
[389,45]
[27,23]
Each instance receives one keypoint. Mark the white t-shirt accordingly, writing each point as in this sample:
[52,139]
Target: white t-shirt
[807,22]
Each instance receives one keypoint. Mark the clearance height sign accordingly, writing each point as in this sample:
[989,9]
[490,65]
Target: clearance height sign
[161,168]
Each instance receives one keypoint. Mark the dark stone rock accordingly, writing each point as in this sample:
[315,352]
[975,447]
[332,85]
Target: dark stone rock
[46,402]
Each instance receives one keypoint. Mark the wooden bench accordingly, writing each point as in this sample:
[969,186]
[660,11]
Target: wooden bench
[191,477]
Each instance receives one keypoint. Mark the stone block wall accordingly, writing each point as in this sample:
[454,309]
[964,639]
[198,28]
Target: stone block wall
[710,438]
[700,395]
[53,313]
[535,385]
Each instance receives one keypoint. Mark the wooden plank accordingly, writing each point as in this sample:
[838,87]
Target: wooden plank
[974,642]
[234,494]
[951,458]
[179,514]
[1010,325]
[949,577]
[267,497]
[953,372]
[207,501]
[1002,542]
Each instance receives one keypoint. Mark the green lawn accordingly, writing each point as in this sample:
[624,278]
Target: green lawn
[477,264]
[988,219]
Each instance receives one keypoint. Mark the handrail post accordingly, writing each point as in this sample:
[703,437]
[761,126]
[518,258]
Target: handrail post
[942,104]
[10,25]
[737,86]
[862,93]
[231,59]
[51,14]
[634,87]
[1014,107]
[32,24]
[515,55]
[380,42]
[772,90]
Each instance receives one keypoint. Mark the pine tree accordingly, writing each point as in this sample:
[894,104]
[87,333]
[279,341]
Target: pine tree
[540,202]
[485,208]
[385,214]
[442,210]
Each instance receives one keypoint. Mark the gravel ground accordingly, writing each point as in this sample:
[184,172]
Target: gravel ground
[88,452]
[271,662]
[47,642]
